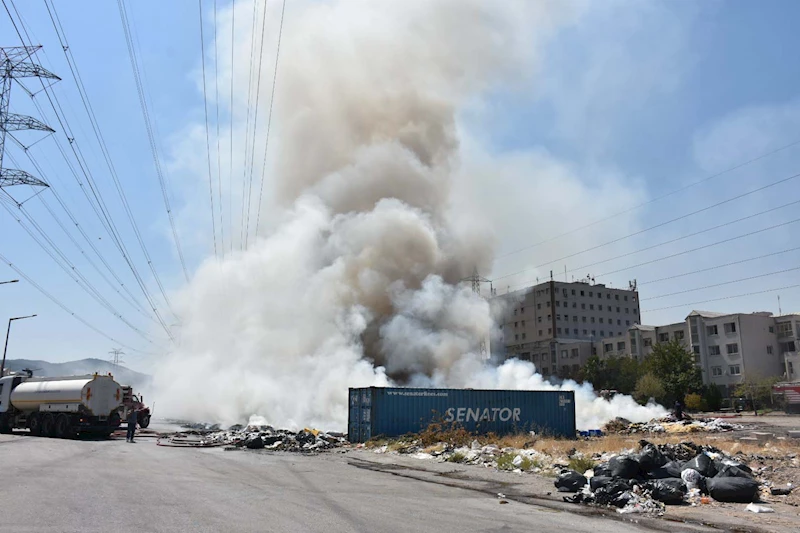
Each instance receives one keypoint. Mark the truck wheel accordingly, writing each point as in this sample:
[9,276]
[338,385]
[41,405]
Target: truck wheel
[144,421]
[5,424]
[48,425]
[62,430]
[35,425]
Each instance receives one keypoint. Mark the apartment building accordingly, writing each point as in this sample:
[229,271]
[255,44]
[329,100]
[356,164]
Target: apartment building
[639,340]
[555,324]
[787,331]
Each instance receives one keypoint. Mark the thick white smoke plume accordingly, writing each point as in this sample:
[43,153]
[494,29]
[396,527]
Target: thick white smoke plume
[356,280]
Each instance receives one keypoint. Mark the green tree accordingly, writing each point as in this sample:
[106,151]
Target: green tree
[713,397]
[674,366]
[758,390]
[649,386]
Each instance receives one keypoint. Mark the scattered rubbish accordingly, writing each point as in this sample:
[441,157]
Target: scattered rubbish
[702,464]
[503,502]
[753,508]
[254,438]
[778,491]
[691,477]
[668,491]
[670,424]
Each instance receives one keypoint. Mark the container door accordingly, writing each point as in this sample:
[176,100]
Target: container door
[360,415]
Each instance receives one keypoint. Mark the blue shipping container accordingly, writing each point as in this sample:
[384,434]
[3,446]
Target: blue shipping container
[391,412]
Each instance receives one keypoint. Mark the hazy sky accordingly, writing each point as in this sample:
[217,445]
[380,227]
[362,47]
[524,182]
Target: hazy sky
[620,103]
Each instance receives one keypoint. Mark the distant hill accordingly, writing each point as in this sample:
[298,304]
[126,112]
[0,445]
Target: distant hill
[123,376]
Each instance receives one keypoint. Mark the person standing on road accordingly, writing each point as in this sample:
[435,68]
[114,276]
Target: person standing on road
[133,415]
[678,409]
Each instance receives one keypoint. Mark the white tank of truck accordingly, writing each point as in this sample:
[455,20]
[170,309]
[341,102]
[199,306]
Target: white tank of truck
[60,407]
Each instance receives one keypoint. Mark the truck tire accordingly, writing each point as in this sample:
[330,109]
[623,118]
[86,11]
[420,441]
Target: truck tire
[48,425]
[35,424]
[62,429]
[5,423]
[144,421]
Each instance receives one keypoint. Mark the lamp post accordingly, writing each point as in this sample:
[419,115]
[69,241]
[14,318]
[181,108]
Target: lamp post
[8,332]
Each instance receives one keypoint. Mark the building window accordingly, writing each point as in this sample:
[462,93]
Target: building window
[575,352]
[566,318]
[523,323]
[585,332]
[574,305]
[592,320]
[602,333]
[590,294]
[616,297]
[594,332]
[769,350]
[581,293]
[711,330]
[627,310]
[545,370]
[516,324]
[584,319]
[600,307]
[648,342]
[617,309]
[575,331]
[523,336]
[548,303]
[558,304]
[696,350]
[732,348]
[573,292]
[601,320]
[521,310]
[626,298]
[583,306]
[558,317]
[516,337]
[515,312]
[735,370]
[772,329]
[564,354]
[591,306]
[730,327]
[549,318]
[791,368]
[538,306]
[619,322]
[620,346]
[574,318]
[539,319]
[635,311]
[713,350]
[679,335]
[558,330]
[663,337]
[564,292]
[540,333]
[599,295]
[549,331]
[608,296]
[716,370]
[627,322]
[607,347]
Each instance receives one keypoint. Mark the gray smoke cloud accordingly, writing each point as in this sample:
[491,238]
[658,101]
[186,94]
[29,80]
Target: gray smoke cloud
[355,280]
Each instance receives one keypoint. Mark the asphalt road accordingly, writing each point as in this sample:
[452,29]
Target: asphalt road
[60,486]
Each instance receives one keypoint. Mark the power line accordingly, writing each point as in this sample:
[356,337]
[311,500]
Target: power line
[749,234]
[723,283]
[247,124]
[715,267]
[208,141]
[269,120]
[723,298]
[64,307]
[219,163]
[648,202]
[230,147]
[661,224]
[255,125]
[148,127]
[103,213]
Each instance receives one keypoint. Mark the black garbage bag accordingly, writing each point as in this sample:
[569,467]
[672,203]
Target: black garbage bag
[720,465]
[703,464]
[570,481]
[602,470]
[624,467]
[617,493]
[732,489]
[671,469]
[650,457]
[255,444]
[669,491]
[734,471]
[597,482]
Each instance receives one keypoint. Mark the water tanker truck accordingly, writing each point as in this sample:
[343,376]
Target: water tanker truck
[60,407]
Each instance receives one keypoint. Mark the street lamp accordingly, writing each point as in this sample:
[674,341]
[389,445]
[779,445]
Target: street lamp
[11,281]
[8,332]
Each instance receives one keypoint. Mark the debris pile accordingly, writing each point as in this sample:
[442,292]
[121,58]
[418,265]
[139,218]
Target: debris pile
[666,474]
[256,438]
[669,424]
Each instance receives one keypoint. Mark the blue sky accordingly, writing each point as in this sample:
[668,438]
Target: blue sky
[626,101]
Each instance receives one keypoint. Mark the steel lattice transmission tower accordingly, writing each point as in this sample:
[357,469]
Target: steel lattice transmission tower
[475,280]
[14,64]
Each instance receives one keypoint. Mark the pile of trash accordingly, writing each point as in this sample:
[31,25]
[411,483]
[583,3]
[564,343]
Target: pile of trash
[666,474]
[256,438]
[670,424]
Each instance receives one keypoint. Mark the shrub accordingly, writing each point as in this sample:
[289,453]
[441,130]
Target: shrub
[649,386]
[457,457]
[581,464]
[693,402]
[506,462]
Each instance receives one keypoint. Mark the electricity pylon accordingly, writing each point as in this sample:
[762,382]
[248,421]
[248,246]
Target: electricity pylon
[14,64]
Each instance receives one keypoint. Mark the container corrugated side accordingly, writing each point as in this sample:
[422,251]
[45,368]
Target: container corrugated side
[391,412]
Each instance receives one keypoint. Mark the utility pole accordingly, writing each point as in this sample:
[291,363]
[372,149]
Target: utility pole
[13,65]
[115,356]
[8,333]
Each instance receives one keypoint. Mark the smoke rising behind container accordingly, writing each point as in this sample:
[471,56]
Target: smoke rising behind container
[354,280]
